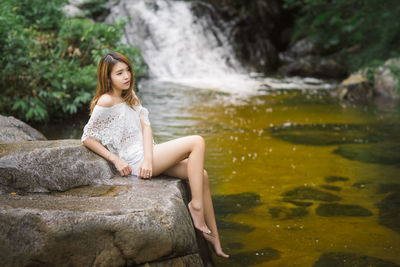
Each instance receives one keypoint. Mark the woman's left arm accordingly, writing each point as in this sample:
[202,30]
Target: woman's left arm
[146,168]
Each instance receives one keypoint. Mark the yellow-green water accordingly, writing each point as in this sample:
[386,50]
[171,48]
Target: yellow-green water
[252,164]
[243,156]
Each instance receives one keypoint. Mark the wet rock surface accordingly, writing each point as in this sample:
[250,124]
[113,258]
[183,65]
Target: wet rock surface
[336,209]
[256,47]
[226,205]
[386,79]
[389,211]
[303,59]
[285,213]
[235,203]
[381,153]
[356,89]
[13,130]
[299,203]
[341,259]
[334,179]
[331,187]
[325,134]
[309,193]
[249,258]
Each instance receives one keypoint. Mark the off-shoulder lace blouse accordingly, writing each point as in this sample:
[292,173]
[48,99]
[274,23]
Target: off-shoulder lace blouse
[118,128]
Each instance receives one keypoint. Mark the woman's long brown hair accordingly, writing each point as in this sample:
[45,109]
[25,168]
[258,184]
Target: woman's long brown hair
[106,64]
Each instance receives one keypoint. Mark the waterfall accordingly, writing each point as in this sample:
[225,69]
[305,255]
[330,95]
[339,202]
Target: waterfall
[180,47]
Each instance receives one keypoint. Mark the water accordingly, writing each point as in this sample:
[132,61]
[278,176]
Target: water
[260,150]
[279,165]
[298,179]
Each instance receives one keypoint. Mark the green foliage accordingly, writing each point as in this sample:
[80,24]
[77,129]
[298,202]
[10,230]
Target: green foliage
[369,27]
[49,61]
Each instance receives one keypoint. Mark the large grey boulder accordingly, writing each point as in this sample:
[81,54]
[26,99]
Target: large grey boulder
[14,130]
[44,166]
[387,79]
[130,222]
[303,59]
[63,205]
[355,89]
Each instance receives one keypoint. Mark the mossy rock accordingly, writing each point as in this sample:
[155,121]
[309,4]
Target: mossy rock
[225,205]
[309,193]
[389,211]
[382,153]
[299,203]
[331,187]
[388,188]
[334,179]
[250,258]
[340,259]
[233,226]
[285,213]
[336,209]
[325,134]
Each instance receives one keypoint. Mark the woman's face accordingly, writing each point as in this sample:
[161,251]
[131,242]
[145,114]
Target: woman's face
[120,76]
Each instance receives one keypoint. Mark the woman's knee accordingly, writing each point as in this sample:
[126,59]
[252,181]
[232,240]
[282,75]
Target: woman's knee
[205,179]
[198,140]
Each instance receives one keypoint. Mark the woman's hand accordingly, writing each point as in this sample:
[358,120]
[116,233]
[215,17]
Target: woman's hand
[146,169]
[121,165]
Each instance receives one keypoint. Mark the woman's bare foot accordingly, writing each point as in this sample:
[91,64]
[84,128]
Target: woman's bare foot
[216,245]
[198,219]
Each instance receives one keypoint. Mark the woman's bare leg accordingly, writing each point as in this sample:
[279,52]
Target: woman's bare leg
[180,170]
[170,153]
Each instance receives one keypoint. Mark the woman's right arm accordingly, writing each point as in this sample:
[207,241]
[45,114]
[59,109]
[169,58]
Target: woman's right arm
[121,165]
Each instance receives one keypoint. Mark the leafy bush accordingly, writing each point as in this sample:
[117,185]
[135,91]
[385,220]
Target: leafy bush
[370,29]
[49,62]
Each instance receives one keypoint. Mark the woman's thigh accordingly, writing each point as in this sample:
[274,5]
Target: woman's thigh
[170,153]
[179,170]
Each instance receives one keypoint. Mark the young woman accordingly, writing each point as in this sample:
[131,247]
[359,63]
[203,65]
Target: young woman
[119,130]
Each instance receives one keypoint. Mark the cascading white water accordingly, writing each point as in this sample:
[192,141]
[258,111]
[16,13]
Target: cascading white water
[182,48]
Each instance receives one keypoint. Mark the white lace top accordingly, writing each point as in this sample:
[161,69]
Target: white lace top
[118,128]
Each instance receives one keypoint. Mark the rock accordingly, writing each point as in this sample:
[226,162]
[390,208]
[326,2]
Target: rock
[63,205]
[225,205]
[44,166]
[303,59]
[255,46]
[304,192]
[336,209]
[333,179]
[389,211]
[235,227]
[250,258]
[285,213]
[325,134]
[13,130]
[387,79]
[380,153]
[341,259]
[300,203]
[331,187]
[145,221]
[388,188]
[355,89]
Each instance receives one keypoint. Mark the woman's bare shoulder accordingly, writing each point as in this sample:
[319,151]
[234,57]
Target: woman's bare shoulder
[105,100]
